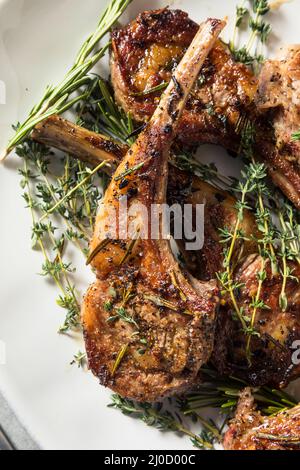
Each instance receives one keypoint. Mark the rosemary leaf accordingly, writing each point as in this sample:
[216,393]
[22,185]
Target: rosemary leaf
[155,89]
[58,99]
[129,172]
[119,359]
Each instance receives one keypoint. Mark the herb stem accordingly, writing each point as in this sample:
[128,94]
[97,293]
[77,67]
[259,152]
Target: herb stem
[57,100]
[70,193]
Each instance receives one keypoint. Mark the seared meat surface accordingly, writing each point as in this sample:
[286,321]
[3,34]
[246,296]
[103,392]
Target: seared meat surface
[183,188]
[143,299]
[225,96]
[249,430]
[143,56]
[272,350]
[219,212]
[278,100]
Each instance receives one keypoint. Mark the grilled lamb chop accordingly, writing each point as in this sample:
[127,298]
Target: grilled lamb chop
[273,350]
[143,299]
[143,56]
[183,188]
[224,98]
[278,100]
[249,430]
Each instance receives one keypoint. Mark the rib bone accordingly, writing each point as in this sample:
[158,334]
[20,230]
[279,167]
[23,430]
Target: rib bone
[143,299]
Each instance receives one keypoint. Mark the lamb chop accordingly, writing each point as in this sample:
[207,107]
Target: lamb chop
[224,98]
[145,52]
[148,325]
[249,430]
[278,100]
[273,348]
[183,188]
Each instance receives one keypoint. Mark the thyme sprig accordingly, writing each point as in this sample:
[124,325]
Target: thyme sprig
[254,11]
[289,248]
[42,189]
[79,360]
[155,415]
[122,314]
[58,99]
[65,193]
[251,175]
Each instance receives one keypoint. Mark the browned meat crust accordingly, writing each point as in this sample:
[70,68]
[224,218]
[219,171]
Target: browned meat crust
[219,212]
[249,430]
[143,54]
[272,351]
[278,100]
[224,97]
[170,315]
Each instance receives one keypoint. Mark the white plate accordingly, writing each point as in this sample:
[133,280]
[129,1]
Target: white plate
[62,407]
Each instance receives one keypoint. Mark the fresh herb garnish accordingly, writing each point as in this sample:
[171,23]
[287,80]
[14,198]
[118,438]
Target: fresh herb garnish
[122,314]
[59,99]
[120,357]
[224,393]
[155,416]
[129,172]
[79,359]
[296,136]
[251,53]
[155,89]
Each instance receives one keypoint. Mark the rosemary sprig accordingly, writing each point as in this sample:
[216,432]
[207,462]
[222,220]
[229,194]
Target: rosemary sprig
[224,393]
[100,247]
[160,302]
[57,100]
[101,114]
[285,440]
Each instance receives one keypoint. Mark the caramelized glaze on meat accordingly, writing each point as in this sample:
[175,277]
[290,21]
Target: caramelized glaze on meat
[249,430]
[143,55]
[225,96]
